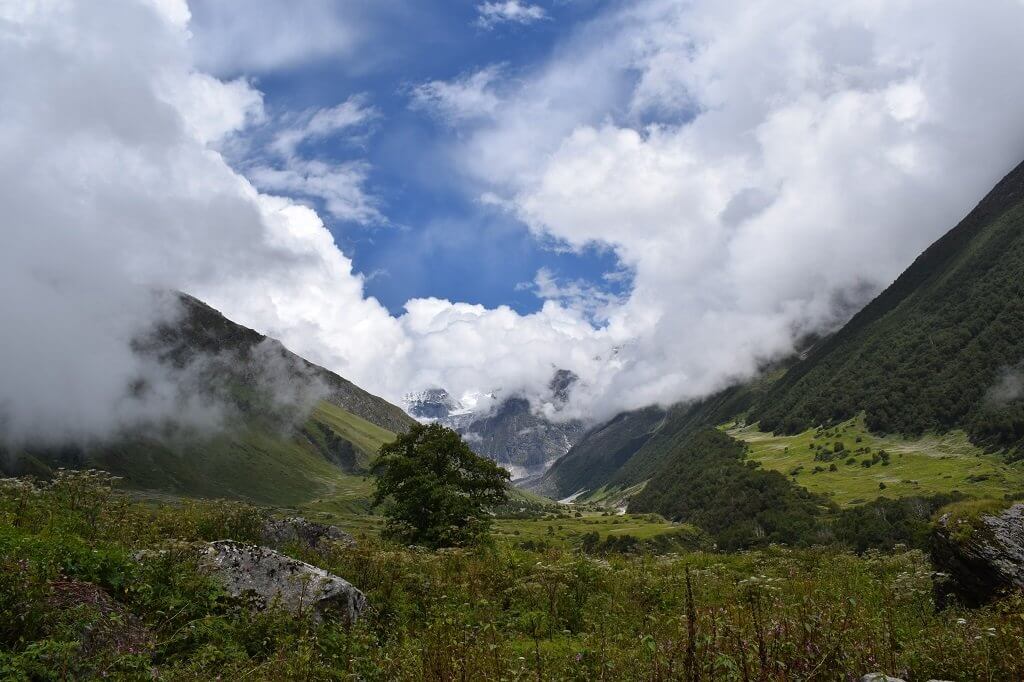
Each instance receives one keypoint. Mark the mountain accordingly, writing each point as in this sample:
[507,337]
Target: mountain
[508,431]
[941,348]
[288,430]
[632,446]
[202,331]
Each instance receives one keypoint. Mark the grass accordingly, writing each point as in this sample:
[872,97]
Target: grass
[921,466]
[366,436]
[566,530]
[255,462]
[611,496]
[492,612]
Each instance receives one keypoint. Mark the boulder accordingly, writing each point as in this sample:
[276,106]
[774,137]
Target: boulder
[295,529]
[980,557]
[264,577]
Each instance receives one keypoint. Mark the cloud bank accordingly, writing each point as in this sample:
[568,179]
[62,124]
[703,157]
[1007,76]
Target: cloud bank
[753,166]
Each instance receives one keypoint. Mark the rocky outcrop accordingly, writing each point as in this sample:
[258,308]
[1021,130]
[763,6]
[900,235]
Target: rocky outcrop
[265,577]
[295,529]
[518,438]
[508,431]
[981,557]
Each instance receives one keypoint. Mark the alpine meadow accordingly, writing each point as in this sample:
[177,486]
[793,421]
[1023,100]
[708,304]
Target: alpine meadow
[512,340]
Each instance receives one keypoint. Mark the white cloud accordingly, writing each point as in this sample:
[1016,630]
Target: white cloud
[318,124]
[490,14]
[110,187]
[754,164]
[280,166]
[750,163]
[251,36]
[466,98]
[338,185]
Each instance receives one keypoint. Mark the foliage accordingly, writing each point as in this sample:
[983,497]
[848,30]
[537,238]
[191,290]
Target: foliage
[925,355]
[75,604]
[708,484]
[886,523]
[909,467]
[439,491]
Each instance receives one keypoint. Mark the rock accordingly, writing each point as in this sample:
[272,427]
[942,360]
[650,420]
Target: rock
[279,532]
[980,557]
[265,576]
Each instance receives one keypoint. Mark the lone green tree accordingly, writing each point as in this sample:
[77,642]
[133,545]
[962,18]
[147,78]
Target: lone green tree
[437,491]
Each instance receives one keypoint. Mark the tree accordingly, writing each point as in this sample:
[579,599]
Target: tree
[438,490]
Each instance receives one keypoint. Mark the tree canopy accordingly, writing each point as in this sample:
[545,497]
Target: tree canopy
[437,491]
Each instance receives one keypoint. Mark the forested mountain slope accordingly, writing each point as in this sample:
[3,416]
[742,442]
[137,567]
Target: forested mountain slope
[939,349]
[633,446]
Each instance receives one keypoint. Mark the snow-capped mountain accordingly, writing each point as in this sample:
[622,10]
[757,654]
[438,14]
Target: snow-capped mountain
[507,430]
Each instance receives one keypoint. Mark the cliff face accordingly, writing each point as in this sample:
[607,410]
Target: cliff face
[512,434]
[520,440]
[982,556]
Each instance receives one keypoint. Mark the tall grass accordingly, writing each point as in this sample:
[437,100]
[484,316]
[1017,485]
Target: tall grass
[494,612]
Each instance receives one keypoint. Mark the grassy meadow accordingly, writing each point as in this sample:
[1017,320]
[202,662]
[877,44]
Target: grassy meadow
[914,467]
[75,604]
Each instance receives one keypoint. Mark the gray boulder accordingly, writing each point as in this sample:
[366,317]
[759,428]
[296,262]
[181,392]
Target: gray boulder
[295,529]
[980,557]
[265,577]
[879,677]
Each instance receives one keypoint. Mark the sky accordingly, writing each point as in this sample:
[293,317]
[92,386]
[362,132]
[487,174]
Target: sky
[429,234]
[659,195]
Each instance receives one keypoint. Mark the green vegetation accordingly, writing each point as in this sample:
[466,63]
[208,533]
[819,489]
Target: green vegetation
[709,485]
[616,458]
[75,604]
[365,436]
[909,467]
[438,492]
[562,528]
[326,459]
[925,355]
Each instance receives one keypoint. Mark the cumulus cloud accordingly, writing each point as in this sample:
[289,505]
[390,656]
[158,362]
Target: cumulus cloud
[490,14]
[111,189]
[751,164]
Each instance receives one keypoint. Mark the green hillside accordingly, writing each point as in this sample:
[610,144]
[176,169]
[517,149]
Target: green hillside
[254,462]
[601,453]
[289,432]
[926,354]
[633,446]
[707,483]
[934,358]
[849,465]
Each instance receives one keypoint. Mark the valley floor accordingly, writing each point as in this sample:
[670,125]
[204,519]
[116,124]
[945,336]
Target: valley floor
[497,612]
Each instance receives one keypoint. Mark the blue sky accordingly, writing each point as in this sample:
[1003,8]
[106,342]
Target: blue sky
[437,239]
